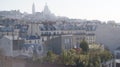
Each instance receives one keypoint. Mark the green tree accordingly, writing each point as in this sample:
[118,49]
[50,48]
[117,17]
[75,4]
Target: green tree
[68,57]
[51,57]
[94,60]
[84,46]
[82,60]
[105,56]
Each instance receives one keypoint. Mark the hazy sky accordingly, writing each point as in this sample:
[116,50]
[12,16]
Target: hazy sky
[83,9]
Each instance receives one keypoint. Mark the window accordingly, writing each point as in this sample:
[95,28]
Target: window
[67,40]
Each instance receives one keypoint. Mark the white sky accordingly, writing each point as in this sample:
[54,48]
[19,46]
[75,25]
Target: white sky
[103,10]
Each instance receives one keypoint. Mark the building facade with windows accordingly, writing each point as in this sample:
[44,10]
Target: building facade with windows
[117,57]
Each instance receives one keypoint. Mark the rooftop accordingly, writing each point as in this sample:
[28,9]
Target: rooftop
[12,37]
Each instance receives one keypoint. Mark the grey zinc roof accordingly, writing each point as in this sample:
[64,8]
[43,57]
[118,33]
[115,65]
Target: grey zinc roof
[32,37]
[7,29]
[49,27]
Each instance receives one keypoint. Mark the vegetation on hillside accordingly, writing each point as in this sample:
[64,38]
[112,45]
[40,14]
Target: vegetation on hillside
[79,57]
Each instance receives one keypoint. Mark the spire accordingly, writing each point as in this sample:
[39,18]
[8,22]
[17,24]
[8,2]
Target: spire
[33,8]
[46,9]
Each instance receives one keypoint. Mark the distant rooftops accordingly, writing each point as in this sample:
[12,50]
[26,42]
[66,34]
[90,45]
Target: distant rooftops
[6,29]
[52,27]
[32,37]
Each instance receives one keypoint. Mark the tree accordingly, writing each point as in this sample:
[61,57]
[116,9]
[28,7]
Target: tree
[84,46]
[105,56]
[51,57]
[93,58]
[68,57]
